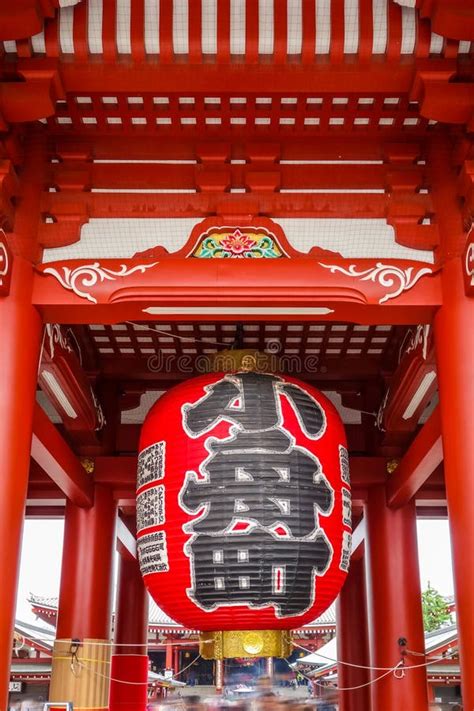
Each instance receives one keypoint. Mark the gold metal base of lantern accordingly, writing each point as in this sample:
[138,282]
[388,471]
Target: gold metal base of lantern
[245,359]
[229,644]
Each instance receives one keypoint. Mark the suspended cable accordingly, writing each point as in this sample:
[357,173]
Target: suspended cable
[188,339]
[370,668]
[125,681]
[107,643]
[392,670]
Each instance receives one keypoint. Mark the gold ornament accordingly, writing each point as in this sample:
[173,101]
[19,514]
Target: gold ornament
[88,464]
[229,644]
[249,363]
[243,359]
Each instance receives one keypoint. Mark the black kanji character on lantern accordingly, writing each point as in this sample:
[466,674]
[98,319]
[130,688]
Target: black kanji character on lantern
[246,399]
[257,475]
[257,569]
[251,401]
[284,485]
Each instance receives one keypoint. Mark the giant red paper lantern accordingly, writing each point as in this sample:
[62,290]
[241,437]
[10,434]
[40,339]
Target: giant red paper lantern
[243,502]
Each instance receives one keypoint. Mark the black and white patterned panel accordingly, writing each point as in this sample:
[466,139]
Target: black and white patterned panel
[346,551]
[344,464]
[151,508]
[153,553]
[346,507]
[151,464]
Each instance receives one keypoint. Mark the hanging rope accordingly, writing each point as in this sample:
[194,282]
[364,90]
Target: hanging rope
[370,668]
[82,664]
[187,667]
[108,643]
[392,670]
[398,671]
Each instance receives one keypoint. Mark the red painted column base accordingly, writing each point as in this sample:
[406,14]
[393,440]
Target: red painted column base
[128,696]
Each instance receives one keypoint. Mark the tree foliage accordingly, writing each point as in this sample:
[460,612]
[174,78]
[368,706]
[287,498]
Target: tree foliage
[435,609]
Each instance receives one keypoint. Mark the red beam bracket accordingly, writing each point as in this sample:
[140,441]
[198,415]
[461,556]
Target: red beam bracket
[423,456]
[54,455]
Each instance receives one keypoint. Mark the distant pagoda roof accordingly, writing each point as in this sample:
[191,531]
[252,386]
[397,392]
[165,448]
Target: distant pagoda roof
[158,618]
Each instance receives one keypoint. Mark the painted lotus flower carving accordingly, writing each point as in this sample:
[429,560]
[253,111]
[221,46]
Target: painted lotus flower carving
[238,243]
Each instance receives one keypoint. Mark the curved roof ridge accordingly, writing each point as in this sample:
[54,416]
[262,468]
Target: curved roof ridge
[157,616]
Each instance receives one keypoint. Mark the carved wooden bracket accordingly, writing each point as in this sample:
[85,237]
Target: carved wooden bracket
[32,95]
[6,263]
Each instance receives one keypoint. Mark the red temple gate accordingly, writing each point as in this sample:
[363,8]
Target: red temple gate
[264,119]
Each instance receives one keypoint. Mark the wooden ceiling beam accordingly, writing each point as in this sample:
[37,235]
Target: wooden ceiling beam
[42,512]
[423,456]
[119,472]
[406,149]
[88,175]
[58,460]
[432,512]
[191,288]
[323,76]
[202,204]
[46,495]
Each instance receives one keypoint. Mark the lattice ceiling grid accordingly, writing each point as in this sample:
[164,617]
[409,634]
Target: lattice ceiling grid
[307,113]
[299,339]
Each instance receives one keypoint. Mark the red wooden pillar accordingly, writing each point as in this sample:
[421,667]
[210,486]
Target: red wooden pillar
[169,655]
[84,610]
[352,640]
[393,602]
[431,693]
[129,677]
[19,355]
[176,661]
[454,333]
[454,338]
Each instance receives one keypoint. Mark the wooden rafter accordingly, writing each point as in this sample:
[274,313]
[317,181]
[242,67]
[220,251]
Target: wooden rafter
[418,463]
[55,457]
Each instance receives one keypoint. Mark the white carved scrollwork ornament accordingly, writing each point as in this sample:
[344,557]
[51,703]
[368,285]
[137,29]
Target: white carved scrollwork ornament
[101,421]
[383,405]
[4,262]
[469,261]
[55,335]
[415,338]
[81,279]
[411,341]
[390,276]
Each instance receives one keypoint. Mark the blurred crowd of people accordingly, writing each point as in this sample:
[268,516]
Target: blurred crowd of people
[241,698]
[265,697]
[263,701]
